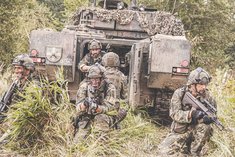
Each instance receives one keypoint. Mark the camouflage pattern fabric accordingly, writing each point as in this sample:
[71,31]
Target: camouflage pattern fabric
[88,60]
[119,80]
[106,95]
[101,122]
[188,143]
[31,81]
[159,22]
[17,97]
[185,138]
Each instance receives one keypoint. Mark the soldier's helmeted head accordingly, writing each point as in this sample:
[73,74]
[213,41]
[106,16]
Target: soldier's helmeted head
[200,78]
[110,59]
[96,75]
[23,65]
[94,46]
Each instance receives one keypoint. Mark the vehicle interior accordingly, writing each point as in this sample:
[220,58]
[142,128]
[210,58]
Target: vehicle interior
[121,50]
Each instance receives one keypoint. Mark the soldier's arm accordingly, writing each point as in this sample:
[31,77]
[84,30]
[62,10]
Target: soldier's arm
[81,96]
[108,105]
[176,110]
[83,65]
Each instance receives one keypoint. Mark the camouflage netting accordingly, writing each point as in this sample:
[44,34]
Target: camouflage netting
[158,22]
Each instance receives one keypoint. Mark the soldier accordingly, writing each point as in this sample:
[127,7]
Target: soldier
[96,101]
[190,128]
[94,56]
[111,63]
[23,69]
[22,74]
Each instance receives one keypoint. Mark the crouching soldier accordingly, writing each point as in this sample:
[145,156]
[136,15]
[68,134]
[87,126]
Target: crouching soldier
[111,63]
[23,67]
[96,100]
[191,127]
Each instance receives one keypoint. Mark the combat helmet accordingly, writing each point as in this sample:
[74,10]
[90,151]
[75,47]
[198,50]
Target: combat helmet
[94,44]
[110,59]
[96,71]
[25,61]
[199,75]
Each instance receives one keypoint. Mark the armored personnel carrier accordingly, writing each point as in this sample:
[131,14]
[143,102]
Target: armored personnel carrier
[153,51]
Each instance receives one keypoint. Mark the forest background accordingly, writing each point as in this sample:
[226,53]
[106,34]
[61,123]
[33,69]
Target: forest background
[210,27]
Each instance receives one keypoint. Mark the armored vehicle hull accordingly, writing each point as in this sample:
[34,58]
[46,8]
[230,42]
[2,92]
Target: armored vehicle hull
[153,51]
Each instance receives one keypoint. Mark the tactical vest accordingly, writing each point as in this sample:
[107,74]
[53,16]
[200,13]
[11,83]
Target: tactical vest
[92,61]
[100,93]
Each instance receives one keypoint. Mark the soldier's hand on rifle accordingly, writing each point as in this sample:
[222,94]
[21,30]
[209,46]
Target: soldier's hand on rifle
[81,107]
[196,115]
[207,120]
[93,106]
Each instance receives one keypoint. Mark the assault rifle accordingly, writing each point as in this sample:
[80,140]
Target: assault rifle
[204,106]
[7,97]
[90,103]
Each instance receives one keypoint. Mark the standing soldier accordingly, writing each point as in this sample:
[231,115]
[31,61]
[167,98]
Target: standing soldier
[96,101]
[94,56]
[190,128]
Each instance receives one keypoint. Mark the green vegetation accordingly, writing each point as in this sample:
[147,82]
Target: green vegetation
[41,123]
[209,25]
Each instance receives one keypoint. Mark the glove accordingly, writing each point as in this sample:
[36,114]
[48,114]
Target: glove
[207,120]
[196,115]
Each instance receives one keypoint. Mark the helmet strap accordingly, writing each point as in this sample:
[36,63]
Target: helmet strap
[193,89]
[195,86]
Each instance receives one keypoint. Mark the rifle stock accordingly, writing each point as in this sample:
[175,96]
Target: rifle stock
[210,110]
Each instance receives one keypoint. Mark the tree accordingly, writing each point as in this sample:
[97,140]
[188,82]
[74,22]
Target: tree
[8,26]
[17,19]
[57,8]
[72,5]
[208,25]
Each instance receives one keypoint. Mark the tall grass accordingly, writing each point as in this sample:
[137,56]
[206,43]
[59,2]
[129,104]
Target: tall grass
[223,90]
[40,125]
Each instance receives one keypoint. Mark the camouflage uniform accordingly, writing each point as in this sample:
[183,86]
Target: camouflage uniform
[24,61]
[88,60]
[119,80]
[111,63]
[105,97]
[185,137]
